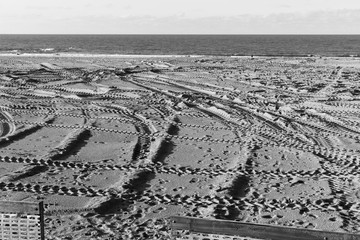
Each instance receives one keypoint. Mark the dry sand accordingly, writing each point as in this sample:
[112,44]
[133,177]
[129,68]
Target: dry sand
[114,145]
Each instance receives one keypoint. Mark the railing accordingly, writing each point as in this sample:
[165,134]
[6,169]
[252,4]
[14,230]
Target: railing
[21,220]
[195,228]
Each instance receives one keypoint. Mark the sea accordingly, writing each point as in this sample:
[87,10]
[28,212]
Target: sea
[218,45]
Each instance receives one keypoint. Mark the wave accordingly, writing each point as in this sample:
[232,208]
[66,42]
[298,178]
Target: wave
[42,50]
[47,49]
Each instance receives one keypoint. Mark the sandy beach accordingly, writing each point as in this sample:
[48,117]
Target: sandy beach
[114,145]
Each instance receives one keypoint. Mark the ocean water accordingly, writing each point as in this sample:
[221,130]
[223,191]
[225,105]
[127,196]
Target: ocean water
[224,45]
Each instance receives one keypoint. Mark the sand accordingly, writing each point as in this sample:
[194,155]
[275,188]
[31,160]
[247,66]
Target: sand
[114,145]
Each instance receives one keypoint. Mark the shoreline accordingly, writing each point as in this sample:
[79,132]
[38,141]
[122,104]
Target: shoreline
[95,55]
[105,55]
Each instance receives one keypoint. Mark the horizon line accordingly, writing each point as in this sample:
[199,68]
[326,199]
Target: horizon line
[194,34]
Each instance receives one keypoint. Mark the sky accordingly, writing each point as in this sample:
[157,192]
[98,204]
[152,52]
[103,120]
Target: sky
[179,17]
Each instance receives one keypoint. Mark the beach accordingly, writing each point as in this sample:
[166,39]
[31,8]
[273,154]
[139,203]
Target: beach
[116,144]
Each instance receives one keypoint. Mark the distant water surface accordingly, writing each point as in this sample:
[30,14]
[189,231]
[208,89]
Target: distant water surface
[224,45]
